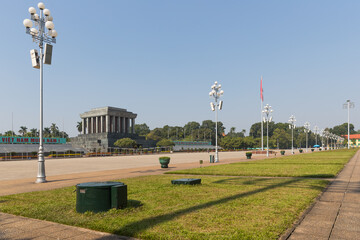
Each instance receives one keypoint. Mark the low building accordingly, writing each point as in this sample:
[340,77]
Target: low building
[187,145]
[354,138]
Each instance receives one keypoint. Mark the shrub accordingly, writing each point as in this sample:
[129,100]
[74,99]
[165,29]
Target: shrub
[165,143]
[125,143]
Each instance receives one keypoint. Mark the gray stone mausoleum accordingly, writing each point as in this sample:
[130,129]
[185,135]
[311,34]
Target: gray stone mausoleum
[102,127]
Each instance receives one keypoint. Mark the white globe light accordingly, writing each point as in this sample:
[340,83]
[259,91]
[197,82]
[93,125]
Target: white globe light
[49,25]
[50,18]
[32,10]
[210,93]
[34,31]
[215,82]
[36,16]
[221,92]
[219,85]
[27,23]
[41,5]
[46,12]
[54,33]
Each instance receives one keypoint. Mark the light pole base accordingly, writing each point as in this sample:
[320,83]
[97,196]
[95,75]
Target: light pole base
[40,180]
[216,158]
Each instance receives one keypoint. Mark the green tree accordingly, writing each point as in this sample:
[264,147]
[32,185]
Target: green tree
[34,132]
[47,132]
[142,129]
[281,137]
[255,130]
[23,130]
[342,129]
[233,133]
[79,126]
[54,130]
[165,143]
[125,143]
[10,133]
[154,134]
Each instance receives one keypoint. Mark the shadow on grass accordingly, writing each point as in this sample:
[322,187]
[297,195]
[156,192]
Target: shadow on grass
[134,203]
[261,182]
[133,228]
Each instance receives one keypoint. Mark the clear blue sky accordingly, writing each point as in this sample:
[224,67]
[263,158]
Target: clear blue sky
[159,58]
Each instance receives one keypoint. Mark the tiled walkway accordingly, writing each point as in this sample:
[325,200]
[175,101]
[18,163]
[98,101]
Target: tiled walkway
[337,213]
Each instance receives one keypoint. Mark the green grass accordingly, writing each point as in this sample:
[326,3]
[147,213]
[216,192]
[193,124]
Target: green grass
[219,208]
[326,164]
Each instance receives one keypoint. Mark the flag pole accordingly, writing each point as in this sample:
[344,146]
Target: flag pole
[261,116]
[262,127]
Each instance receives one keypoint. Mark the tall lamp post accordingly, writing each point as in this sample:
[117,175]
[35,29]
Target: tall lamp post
[348,105]
[267,111]
[42,33]
[292,126]
[216,92]
[316,130]
[307,130]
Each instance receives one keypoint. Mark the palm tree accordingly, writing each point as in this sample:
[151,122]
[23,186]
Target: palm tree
[54,130]
[47,132]
[23,130]
[79,126]
[34,132]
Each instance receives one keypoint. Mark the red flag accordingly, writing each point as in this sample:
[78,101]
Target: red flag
[261,91]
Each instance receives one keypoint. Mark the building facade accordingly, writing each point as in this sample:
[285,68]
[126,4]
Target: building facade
[108,120]
[102,127]
[354,138]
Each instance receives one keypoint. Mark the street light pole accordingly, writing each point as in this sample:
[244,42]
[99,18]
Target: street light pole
[43,32]
[348,105]
[316,129]
[307,130]
[216,92]
[292,122]
[267,110]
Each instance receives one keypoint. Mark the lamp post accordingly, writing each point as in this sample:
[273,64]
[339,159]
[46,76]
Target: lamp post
[307,130]
[348,105]
[292,125]
[316,130]
[216,92]
[267,111]
[326,135]
[42,32]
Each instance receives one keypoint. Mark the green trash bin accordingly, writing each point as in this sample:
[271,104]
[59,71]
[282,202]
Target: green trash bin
[100,196]
[212,158]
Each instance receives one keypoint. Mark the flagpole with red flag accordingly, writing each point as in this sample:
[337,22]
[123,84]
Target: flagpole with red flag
[261,119]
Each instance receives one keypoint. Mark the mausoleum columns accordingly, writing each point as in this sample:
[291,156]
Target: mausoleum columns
[133,125]
[83,126]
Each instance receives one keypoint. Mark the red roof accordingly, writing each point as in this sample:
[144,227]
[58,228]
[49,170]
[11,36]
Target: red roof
[353,136]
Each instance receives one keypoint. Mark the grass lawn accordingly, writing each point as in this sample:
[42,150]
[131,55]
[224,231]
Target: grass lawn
[219,208]
[326,164]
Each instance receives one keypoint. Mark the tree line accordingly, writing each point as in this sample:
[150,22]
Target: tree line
[48,132]
[279,134]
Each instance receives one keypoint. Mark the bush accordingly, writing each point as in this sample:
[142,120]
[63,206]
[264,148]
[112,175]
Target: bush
[282,152]
[165,143]
[125,143]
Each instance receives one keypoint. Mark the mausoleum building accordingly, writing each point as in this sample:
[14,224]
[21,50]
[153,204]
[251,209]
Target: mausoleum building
[108,120]
[102,127]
